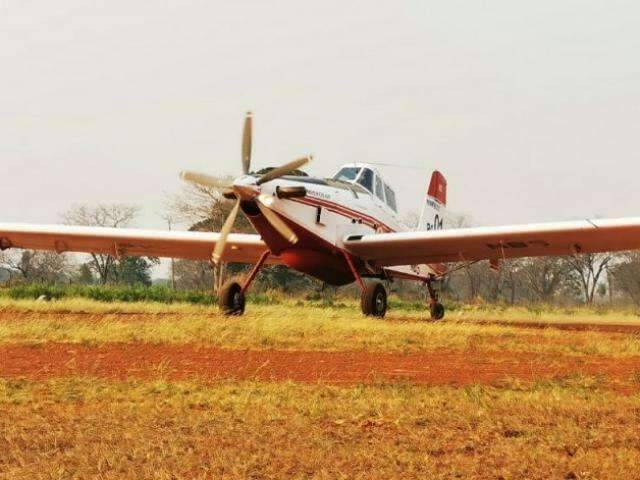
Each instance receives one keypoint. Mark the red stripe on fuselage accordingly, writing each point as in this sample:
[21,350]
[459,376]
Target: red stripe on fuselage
[346,212]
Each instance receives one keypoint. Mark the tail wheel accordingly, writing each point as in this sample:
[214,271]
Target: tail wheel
[374,300]
[231,299]
[437,311]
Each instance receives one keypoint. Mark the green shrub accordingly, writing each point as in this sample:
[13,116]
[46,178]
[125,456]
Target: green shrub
[107,293]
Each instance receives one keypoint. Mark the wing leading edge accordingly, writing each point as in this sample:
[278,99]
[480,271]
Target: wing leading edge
[495,243]
[241,248]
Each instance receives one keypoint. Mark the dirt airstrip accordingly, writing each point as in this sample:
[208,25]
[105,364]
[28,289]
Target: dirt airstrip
[180,362]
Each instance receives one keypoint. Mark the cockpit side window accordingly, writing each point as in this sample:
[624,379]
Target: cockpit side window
[366,179]
[391,197]
[379,189]
[347,174]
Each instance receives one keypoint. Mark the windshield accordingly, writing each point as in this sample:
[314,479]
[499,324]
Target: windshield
[391,197]
[347,174]
[379,189]
[366,179]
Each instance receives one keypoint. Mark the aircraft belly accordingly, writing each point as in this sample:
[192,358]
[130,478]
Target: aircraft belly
[323,265]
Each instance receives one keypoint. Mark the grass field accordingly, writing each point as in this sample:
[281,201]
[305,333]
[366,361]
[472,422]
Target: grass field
[296,390]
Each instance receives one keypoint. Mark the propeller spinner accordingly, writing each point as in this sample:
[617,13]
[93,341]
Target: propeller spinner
[245,190]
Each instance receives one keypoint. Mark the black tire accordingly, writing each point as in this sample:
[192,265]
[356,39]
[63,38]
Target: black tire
[231,299]
[374,300]
[437,311]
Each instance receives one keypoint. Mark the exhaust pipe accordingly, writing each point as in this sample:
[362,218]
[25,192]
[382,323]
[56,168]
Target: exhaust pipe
[291,192]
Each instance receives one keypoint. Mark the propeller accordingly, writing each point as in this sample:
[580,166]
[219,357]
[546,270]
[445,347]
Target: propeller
[264,204]
[224,233]
[247,135]
[247,191]
[283,170]
[205,180]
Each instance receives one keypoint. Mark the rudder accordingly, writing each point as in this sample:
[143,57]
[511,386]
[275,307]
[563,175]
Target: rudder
[432,215]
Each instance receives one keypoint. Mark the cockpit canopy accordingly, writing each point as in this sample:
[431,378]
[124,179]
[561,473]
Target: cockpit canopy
[370,179]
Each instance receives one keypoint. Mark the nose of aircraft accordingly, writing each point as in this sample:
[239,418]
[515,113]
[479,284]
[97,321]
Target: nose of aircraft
[245,188]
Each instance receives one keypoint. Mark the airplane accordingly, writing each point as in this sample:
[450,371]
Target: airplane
[340,230]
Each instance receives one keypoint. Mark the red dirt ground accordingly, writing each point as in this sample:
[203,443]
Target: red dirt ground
[179,362]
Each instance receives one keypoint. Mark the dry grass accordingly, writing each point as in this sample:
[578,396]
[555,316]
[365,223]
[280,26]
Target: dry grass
[85,428]
[549,314]
[290,327]
[77,428]
[417,311]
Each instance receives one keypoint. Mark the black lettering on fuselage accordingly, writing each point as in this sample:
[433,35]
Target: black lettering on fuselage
[438,223]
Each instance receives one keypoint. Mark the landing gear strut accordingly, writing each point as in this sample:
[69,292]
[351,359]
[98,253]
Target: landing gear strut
[373,299]
[232,294]
[436,308]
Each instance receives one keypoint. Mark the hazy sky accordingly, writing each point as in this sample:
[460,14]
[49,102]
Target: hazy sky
[531,109]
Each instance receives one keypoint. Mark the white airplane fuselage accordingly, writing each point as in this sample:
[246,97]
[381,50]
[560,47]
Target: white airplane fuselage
[327,213]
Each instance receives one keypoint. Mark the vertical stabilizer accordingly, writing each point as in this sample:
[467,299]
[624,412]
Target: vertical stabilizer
[433,209]
[438,188]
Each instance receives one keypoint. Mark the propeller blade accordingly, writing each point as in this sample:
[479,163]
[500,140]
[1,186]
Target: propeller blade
[203,179]
[283,170]
[247,135]
[218,251]
[264,202]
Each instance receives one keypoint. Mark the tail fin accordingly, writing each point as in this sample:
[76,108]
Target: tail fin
[432,215]
[438,188]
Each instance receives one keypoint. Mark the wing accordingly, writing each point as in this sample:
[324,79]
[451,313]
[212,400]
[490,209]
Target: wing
[495,243]
[241,248]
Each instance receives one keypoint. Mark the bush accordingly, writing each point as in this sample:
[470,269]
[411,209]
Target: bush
[107,293]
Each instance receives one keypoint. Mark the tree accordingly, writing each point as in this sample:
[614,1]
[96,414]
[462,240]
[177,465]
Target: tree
[475,274]
[544,276]
[193,275]
[135,270]
[4,274]
[204,208]
[37,266]
[114,215]
[626,274]
[511,278]
[84,275]
[587,269]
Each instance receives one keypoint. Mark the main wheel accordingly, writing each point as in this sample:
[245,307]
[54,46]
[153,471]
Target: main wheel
[437,311]
[374,300]
[231,298]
